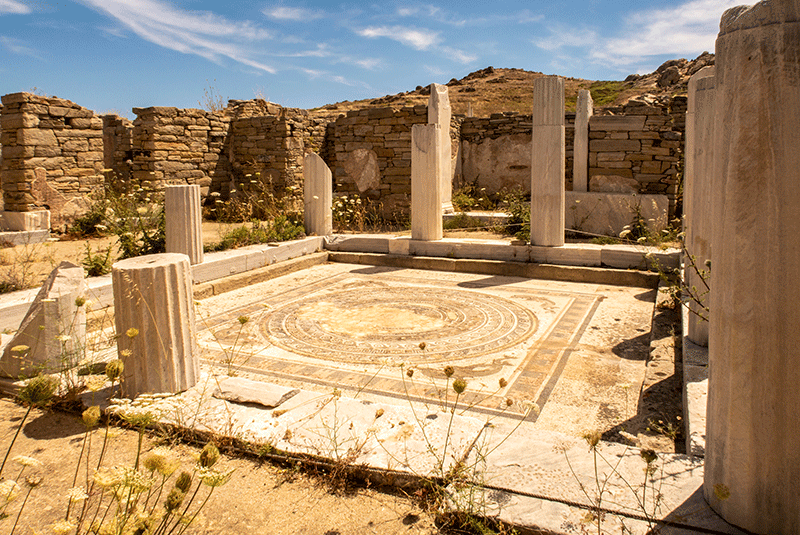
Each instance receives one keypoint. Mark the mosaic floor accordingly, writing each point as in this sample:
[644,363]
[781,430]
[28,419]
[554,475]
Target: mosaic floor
[577,351]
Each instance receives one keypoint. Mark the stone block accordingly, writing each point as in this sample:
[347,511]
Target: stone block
[25,221]
[615,145]
[612,123]
[51,337]
[36,136]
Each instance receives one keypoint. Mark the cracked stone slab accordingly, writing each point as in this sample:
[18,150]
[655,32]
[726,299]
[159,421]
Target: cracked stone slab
[241,390]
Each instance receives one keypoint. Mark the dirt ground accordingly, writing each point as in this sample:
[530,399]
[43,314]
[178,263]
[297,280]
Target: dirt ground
[259,498]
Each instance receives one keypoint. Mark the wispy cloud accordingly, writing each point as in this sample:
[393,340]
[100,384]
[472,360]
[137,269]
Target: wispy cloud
[426,10]
[368,63]
[292,13]
[16,46]
[561,37]
[13,7]
[686,29]
[458,55]
[421,39]
[201,33]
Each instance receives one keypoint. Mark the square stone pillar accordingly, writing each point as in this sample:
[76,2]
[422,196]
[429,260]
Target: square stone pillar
[584,109]
[753,419]
[697,196]
[547,162]
[426,179]
[439,113]
[318,196]
[184,220]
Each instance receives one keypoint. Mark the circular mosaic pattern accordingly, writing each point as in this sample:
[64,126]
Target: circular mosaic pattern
[369,323]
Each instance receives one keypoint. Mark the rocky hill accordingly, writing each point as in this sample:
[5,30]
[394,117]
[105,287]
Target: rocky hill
[497,90]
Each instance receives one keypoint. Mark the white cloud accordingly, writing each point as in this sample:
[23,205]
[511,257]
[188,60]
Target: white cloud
[292,13]
[13,7]
[369,63]
[684,30]
[564,37]
[16,46]
[458,55]
[201,33]
[419,39]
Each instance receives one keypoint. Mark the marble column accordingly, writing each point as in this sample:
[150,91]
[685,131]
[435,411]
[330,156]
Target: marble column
[697,196]
[439,113]
[155,322]
[584,109]
[753,419]
[318,196]
[426,178]
[184,219]
[547,162]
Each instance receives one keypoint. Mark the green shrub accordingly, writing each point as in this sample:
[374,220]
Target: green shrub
[518,208]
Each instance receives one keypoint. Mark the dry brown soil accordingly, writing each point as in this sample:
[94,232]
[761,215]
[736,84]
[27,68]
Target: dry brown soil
[259,498]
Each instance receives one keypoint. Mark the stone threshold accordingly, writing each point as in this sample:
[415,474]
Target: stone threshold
[637,257]
[24,237]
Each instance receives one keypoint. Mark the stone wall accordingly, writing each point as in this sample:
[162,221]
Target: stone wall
[496,151]
[637,148]
[373,155]
[176,146]
[269,148]
[52,155]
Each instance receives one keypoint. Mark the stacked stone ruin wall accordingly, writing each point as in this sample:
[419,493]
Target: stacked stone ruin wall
[372,155]
[636,148]
[52,155]
[368,151]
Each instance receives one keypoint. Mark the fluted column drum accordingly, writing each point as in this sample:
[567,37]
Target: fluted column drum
[155,321]
[184,232]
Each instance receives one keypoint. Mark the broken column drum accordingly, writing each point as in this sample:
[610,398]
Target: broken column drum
[753,424]
[155,321]
[547,162]
[183,214]
[318,196]
[426,178]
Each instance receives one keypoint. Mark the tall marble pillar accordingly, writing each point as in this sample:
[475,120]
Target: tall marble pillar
[547,162]
[753,425]
[318,196]
[697,198]
[426,178]
[184,219]
[439,113]
[584,109]
[155,322]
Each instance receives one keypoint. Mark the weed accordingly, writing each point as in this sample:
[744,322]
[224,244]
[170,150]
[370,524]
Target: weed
[518,207]
[282,228]
[462,221]
[19,272]
[212,100]
[472,197]
[352,213]
[604,93]
[98,263]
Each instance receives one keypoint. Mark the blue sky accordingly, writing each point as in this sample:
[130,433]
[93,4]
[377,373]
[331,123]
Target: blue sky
[112,55]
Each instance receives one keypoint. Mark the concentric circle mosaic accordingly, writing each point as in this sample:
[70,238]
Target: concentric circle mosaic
[368,323]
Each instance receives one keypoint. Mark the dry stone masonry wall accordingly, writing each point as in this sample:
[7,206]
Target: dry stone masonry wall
[52,155]
[636,149]
[373,155]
